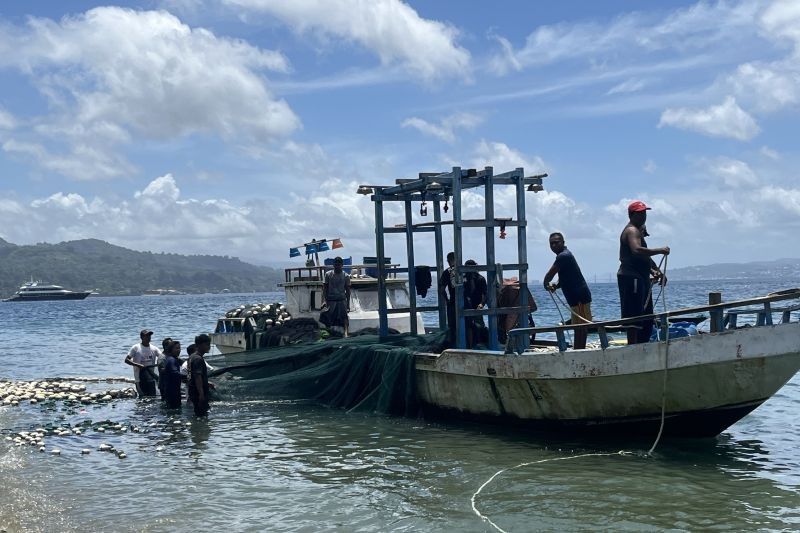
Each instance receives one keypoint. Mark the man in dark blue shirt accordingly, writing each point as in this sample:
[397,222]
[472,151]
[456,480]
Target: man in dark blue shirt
[572,284]
[170,375]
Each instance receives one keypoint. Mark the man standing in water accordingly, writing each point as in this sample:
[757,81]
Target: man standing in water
[635,269]
[336,297]
[572,284]
[198,375]
[142,357]
[169,375]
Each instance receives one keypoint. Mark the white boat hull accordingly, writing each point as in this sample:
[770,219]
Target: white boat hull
[713,380]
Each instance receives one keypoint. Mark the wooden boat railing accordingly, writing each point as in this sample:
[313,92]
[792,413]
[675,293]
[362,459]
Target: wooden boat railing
[720,319]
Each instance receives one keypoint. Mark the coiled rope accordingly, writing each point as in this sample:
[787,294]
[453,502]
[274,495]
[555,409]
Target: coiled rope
[488,481]
[661,293]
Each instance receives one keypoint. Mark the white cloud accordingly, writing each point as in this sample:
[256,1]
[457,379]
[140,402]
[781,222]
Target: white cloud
[650,166]
[766,151]
[82,162]
[724,120]
[782,19]
[504,158]
[7,120]
[770,87]
[692,28]
[389,28]
[628,86]
[732,172]
[111,73]
[788,199]
[447,127]
[163,188]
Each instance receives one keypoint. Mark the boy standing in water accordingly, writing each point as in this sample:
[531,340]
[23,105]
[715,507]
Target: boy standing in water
[198,375]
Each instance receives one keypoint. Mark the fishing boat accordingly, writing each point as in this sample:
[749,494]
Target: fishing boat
[302,287]
[696,385]
[34,291]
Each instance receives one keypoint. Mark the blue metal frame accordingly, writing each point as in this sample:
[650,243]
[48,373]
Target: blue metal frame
[435,188]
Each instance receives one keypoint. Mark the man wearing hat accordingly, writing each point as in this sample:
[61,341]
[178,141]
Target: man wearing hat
[142,357]
[635,269]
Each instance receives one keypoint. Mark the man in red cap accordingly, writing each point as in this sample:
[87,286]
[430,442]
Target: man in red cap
[636,267]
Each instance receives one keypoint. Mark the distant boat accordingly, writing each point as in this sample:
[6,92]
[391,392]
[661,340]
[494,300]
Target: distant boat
[38,290]
[163,292]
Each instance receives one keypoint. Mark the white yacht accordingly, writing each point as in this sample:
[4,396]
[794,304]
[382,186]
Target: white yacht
[38,290]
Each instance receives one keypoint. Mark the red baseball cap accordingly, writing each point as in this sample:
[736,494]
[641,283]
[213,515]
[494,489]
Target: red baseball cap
[637,206]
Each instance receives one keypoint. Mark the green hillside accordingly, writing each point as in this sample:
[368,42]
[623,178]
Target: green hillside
[91,263]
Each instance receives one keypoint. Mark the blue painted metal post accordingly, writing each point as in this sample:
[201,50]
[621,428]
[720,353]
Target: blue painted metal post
[601,331]
[491,273]
[412,281]
[461,338]
[522,249]
[437,237]
[383,319]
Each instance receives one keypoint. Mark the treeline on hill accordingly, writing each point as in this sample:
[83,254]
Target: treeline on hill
[93,264]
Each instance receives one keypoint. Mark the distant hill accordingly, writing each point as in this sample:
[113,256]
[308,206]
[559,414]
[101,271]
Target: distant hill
[91,263]
[777,269]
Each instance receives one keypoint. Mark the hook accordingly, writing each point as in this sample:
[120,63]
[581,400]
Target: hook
[503,230]
[423,209]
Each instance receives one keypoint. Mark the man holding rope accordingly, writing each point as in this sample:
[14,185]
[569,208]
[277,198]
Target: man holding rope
[142,357]
[572,284]
[636,267]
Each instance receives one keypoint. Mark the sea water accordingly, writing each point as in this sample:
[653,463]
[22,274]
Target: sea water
[291,466]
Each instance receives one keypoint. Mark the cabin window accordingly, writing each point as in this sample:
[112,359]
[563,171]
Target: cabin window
[364,300]
[316,300]
[398,298]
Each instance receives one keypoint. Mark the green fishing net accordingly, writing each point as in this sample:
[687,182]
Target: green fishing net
[359,373]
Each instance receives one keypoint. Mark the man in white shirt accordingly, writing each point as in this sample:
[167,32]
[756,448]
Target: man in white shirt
[142,357]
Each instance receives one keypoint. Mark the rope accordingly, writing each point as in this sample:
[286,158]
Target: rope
[559,313]
[488,481]
[666,366]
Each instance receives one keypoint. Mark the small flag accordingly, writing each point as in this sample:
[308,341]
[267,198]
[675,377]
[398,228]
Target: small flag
[294,252]
[323,246]
[337,243]
[311,249]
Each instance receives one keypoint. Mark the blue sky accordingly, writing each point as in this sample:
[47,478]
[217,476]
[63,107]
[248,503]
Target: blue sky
[243,127]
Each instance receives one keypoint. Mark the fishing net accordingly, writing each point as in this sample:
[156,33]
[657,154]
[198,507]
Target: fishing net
[359,373]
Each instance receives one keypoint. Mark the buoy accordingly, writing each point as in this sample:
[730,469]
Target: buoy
[55,451]
[86,451]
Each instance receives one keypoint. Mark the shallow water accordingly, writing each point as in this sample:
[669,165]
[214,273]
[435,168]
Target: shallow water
[290,466]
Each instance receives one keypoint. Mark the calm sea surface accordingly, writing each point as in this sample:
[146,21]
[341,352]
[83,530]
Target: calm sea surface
[289,466]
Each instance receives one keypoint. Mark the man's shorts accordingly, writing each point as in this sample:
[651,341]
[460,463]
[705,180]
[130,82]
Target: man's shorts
[581,313]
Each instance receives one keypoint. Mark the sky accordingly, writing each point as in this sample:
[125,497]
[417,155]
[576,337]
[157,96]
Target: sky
[244,127]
